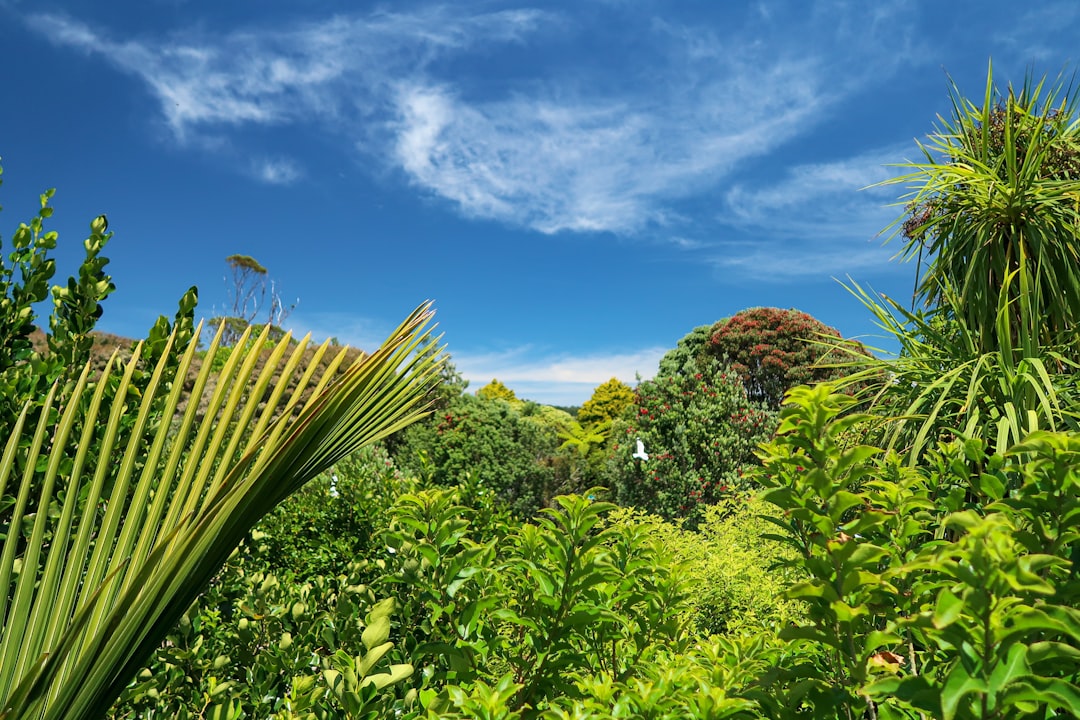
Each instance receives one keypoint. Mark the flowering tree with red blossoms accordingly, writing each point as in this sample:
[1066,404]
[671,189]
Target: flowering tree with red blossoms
[774,350]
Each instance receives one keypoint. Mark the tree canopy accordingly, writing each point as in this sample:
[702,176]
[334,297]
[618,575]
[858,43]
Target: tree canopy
[773,350]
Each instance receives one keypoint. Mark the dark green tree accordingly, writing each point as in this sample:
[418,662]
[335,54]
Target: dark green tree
[487,442]
[698,430]
[691,347]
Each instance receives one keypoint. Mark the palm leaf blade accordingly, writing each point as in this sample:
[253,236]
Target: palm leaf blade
[181,499]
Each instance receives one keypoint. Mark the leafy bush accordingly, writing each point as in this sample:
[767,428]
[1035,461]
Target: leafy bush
[533,608]
[736,586]
[334,519]
[947,589]
[607,403]
[489,441]
[256,645]
[582,459]
[495,390]
[720,679]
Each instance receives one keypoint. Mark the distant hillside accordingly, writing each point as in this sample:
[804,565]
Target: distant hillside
[105,344]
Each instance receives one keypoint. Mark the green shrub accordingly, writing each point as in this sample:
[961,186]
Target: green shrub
[255,645]
[333,520]
[544,604]
[488,441]
[495,390]
[725,678]
[607,403]
[736,587]
[947,589]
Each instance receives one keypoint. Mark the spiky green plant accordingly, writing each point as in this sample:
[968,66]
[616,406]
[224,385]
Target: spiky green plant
[994,212]
[994,209]
[940,384]
[92,585]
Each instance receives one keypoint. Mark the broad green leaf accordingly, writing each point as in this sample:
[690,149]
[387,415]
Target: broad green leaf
[1015,666]
[947,609]
[957,686]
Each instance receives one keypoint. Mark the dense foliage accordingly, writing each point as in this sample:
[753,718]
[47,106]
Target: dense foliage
[580,616]
[993,211]
[737,583]
[947,589]
[122,492]
[699,432]
[556,614]
[992,215]
[905,549]
[495,390]
[607,403]
[489,440]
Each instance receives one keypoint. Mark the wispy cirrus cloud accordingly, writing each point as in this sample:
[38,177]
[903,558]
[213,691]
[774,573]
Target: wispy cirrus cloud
[587,152]
[594,165]
[782,264]
[354,330]
[830,199]
[314,71]
[276,171]
[1038,30]
[821,219]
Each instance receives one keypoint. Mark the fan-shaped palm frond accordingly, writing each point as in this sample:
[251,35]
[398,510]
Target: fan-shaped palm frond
[124,509]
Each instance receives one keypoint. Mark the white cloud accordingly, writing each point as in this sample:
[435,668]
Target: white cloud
[556,379]
[584,165]
[348,329]
[317,70]
[783,263]
[276,171]
[685,243]
[821,200]
[819,220]
[586,159]
[529,162]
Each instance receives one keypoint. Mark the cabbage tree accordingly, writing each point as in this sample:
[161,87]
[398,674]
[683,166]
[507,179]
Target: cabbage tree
[994,208]
[993,218]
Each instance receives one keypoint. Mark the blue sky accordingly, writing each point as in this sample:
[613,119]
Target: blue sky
[576,185]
